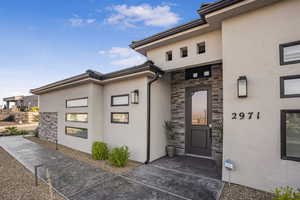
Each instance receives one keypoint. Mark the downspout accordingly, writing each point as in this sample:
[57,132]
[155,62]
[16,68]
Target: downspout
[149,113]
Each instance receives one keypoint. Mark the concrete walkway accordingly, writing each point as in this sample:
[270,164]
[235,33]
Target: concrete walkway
[77,180]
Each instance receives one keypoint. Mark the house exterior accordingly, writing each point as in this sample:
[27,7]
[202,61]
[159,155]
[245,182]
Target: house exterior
[22,102]
[234,70]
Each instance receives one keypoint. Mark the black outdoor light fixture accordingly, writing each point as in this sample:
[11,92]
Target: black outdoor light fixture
[134,97]
[242,87]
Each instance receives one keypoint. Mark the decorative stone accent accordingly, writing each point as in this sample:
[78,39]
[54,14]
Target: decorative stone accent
[48,126]
[178,87]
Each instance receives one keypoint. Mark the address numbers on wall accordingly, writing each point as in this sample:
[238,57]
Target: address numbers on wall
[245,115]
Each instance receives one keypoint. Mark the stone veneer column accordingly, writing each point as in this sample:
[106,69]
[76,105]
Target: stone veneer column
[48,126]
[178,86]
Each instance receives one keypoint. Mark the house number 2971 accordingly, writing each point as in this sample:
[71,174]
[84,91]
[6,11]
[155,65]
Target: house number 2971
[246,115]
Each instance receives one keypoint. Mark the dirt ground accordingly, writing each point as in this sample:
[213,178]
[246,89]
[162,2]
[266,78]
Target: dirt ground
[238,192]
[17,183]
[84,157]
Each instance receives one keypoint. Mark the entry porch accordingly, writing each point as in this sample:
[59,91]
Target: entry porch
[197,111]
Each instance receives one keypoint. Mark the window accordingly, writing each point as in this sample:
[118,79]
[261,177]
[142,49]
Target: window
[184,52]
[75,103]
[290,86]
[120,117]
[77,117]
[289,53]
[201,47]
[290,135]
[120,100]
[169,56]
[77,132]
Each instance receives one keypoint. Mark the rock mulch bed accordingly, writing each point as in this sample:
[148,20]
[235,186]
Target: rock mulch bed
[238,192]
[17,183]
[85,157]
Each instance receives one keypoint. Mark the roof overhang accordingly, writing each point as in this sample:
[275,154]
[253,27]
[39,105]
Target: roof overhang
[14,98]
[212,15]
[146,69]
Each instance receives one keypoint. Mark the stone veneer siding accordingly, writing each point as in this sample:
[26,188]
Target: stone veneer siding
[178,87]
[48,126]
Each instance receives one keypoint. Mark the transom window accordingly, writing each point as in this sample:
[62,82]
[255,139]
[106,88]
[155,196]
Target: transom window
[169,56]
[201,48]
[75,103]
[290,86]
[289,53]
[184,52]
[77,117]
[120,100]
[290,135]
[120,117]
[77,132]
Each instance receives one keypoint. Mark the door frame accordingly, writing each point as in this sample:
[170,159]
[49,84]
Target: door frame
[188,113]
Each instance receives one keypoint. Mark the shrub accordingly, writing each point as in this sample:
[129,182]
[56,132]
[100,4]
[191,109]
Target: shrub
[23,132]
[99,151]
[34,109]
[119,156]
[36,132]
[286,193]
[11,130]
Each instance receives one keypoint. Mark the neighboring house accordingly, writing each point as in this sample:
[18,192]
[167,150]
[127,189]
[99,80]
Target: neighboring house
[240,55]
[22,102]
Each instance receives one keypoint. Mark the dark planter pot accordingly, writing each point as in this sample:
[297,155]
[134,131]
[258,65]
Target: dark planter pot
[170,151]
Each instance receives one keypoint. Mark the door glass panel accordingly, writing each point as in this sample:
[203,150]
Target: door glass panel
[199,108]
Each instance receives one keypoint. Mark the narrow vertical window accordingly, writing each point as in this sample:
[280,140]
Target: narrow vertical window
[169,56]
[201,48]
[184,52]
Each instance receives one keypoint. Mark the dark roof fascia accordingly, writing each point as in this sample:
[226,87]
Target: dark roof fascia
[87,74]
[172,31]
[147,66]
[216,6]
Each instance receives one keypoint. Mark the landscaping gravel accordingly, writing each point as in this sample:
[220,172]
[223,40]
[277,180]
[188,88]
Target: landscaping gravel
[17,183]
[238,192]
[85,157]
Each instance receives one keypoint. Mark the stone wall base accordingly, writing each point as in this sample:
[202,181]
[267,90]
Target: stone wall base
[48,126]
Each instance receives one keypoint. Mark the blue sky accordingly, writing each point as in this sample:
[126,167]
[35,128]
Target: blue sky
[45,41]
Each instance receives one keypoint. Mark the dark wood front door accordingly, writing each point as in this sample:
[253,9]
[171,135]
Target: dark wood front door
[198,119]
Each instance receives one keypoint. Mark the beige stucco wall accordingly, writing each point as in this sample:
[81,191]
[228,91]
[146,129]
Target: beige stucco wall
[213,42]
[133,134]
[250,47]
[160,111]
[56,102]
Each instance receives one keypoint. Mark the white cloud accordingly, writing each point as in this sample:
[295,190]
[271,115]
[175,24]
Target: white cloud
[150,16]
[123,57]
[76,21]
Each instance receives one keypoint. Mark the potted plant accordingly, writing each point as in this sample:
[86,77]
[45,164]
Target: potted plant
[219,151]
[170,148]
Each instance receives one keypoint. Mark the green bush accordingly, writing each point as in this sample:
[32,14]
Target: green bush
[286,193]
[100,151]
[119,156]
[34,109]
[23,132]
[11,130]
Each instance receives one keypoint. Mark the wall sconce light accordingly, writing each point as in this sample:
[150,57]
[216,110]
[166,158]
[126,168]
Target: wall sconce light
[242,87]
[134,97]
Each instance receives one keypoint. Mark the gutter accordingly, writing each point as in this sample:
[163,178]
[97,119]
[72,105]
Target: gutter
[155,78]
